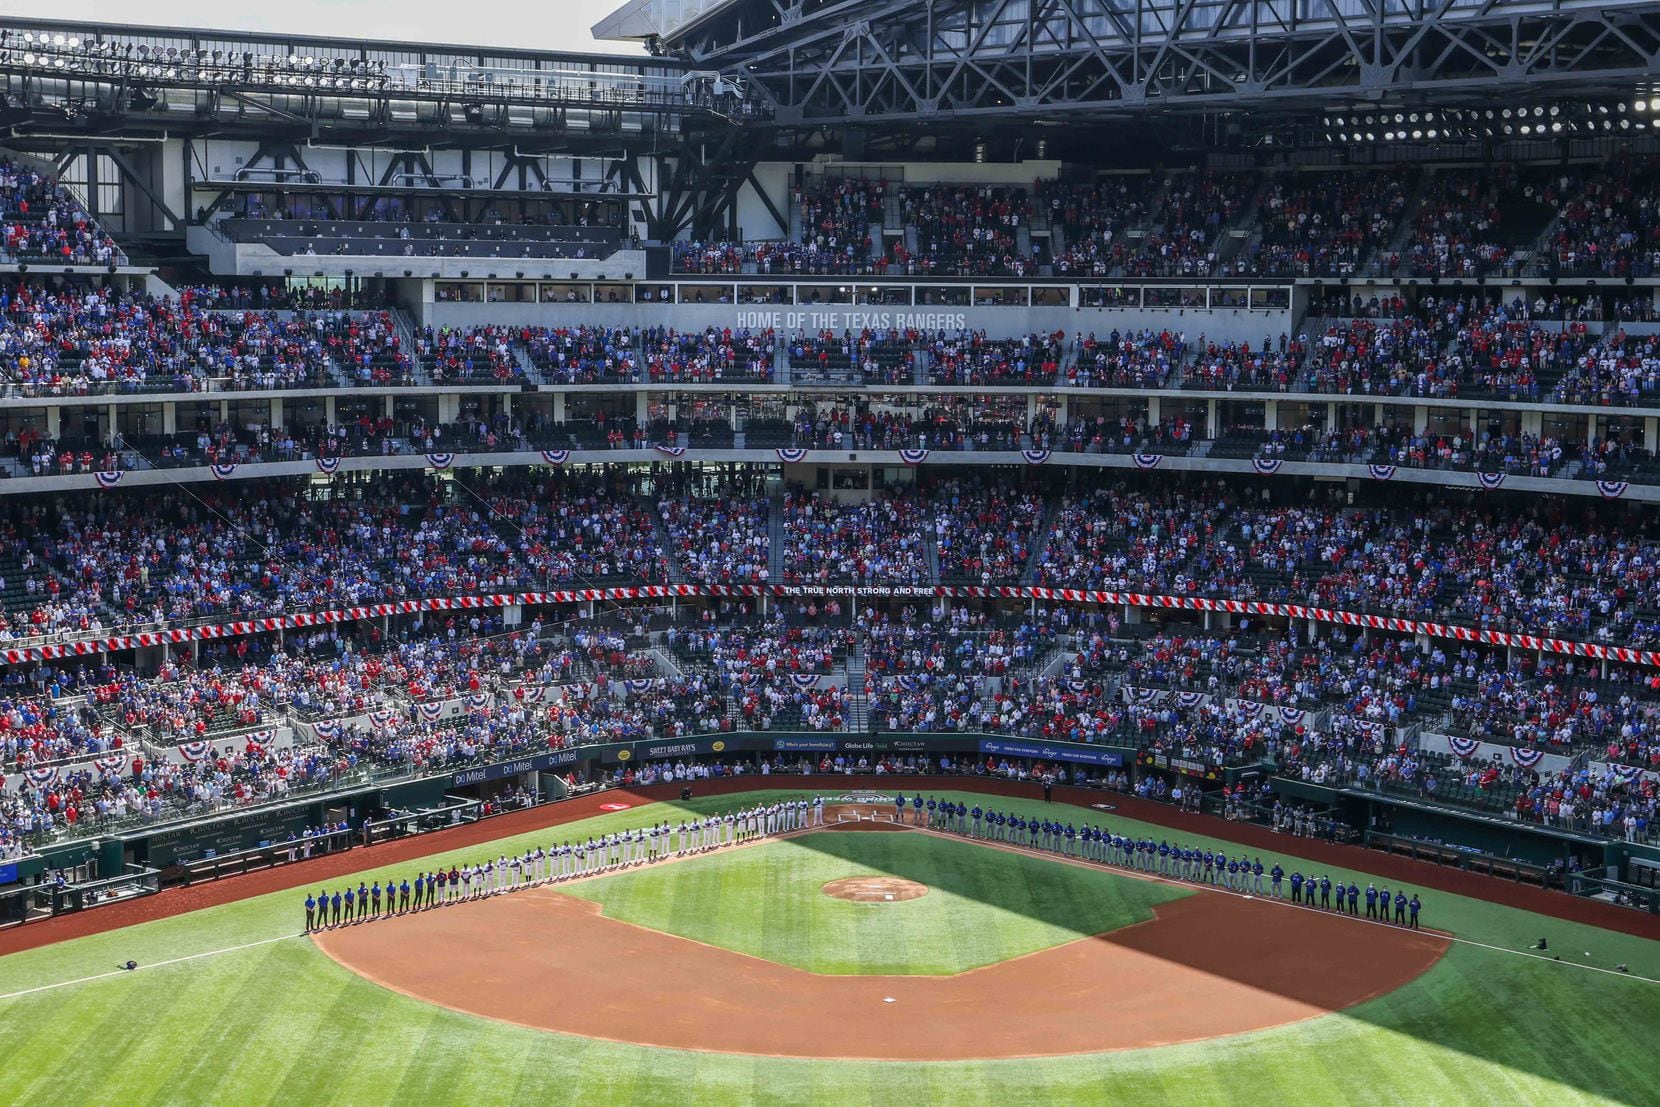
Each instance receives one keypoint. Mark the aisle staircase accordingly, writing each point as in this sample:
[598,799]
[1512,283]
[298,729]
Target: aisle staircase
[775,539]
[677,575]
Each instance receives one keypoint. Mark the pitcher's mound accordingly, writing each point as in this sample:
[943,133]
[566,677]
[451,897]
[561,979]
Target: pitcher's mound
[875,889]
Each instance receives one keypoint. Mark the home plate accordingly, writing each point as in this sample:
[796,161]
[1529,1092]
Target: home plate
[887,999]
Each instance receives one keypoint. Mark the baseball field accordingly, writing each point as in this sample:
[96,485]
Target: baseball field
[782,971]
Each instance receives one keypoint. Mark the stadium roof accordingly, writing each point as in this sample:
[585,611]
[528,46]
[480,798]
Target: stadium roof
[642,19]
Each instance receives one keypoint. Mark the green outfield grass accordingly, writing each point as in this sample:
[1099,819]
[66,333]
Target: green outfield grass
[983,905]
[278,1022]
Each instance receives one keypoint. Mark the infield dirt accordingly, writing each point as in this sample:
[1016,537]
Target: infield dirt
[1207,965]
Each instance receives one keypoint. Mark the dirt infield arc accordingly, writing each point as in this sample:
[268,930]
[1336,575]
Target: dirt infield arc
[1207,965]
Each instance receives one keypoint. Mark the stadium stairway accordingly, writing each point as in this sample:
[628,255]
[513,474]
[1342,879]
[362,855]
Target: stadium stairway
[1054,665]
[676,574]
[406,342]
[1045,531]
[922,363]
[521,357]
[775,539]
[1403,228]
[858,714]
[855,674]
[665,663]
[1068,360]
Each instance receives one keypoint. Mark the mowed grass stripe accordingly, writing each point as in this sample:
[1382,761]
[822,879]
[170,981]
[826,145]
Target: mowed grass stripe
[983,906]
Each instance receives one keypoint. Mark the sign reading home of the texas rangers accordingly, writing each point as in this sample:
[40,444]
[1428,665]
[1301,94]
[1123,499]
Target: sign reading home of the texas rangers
[851,319]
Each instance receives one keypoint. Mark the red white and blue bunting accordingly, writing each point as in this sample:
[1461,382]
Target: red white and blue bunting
[1490,481]
[478,701]
[1292,716]
[1035,457]
[40,778]
[913,457]
[430,711]
[1463,747]
[328,466]
[556,457]
[1267,466]
[804,680]
[791,455]
[1147,461]
[671,451]
[92,646]
[326,731]
[113,763]
[380,720]
[1189,700]
[108,478]
[1612,489]
[223,471]
[1381,472]
[195,751]
[1526,758]
[440,461]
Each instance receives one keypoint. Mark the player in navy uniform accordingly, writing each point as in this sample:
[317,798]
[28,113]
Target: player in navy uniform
[1400,908]
[334,909]
[1325,892]
[351,901]
[976,815]
[916,809]
[1412,906]
[311,912]
[1371,901]
[1296,887]
[1354,898]
[1275,876]
[1383,904]
[374,893]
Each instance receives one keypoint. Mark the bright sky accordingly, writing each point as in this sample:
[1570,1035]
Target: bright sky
[548,25]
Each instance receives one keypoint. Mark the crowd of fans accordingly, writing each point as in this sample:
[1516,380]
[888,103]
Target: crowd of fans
[973,358]
[707,357]
[879,540]
[1326,223]
[41,221]
[79,338]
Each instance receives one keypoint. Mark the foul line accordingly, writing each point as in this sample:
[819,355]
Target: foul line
[151,965]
